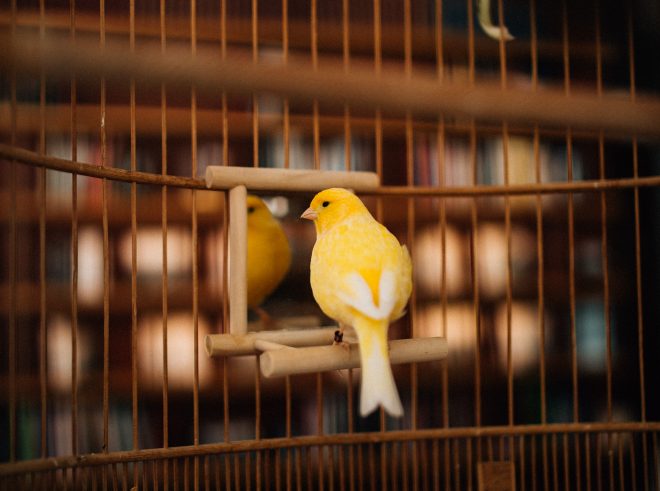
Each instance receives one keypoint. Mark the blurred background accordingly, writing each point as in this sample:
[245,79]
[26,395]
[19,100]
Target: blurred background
[548,300]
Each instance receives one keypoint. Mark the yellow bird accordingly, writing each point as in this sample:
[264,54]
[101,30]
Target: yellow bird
[268,254]
[362,277]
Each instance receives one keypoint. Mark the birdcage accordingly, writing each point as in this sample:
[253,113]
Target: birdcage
[512,146]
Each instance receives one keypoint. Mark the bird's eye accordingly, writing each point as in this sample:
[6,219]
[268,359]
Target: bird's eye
[250,209]
[325,204]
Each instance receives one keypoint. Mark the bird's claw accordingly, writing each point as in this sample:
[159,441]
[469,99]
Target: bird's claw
[339,339]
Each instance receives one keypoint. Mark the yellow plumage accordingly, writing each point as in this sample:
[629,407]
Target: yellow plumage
[268,253]
[361,276]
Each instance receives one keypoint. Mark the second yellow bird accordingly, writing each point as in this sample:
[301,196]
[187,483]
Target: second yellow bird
[362,277]
[268,254]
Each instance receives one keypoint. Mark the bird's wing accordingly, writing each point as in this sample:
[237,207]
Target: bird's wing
[360,297]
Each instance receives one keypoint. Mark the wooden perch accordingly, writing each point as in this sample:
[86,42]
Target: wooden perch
[288,352]
[255,178]
[244,344]
[238,260]
[277,363]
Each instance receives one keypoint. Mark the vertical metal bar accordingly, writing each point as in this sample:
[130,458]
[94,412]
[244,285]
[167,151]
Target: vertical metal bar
[346,56]
[622,473]
[475,287]
[225,363]
[566,461]
[319,425]
[533,466]
[571,234]
[257,419]
[471,51]
[540,254]
[656,460]
[394,475]
[633,462]
[223,56]
[441,142]
[435,465]
[351,449]
[604,255]
[287,431]
[11,341]
[469,461]
[523,464]
[266,471]
[255,98]
[413,297]
[276,469]
[331,467]
[164,228]
[155,478]
[638,253]
[555,466]
[248,470]
[308,462]
[43,339]
[571,240]
[285,59]
[237,471]
[124,474]
[226,319]
[425,464]
[342,468]
[74,254]
[474,239]
[587,459]
[410,222]
[134,333]
[298,458]
[372,467]
[106,261]
[347,165]
[507,233]
[195,248]
[378,129]
[317,165]
[216,474]
[599,473]
[315,64]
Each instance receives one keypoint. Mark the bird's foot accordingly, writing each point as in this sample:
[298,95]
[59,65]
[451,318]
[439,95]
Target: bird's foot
[339,338]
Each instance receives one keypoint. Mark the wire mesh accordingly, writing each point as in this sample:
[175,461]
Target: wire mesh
[532,240]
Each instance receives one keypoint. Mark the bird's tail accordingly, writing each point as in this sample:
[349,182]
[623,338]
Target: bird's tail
[378,387]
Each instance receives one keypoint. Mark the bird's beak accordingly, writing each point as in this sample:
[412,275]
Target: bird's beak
[309,214]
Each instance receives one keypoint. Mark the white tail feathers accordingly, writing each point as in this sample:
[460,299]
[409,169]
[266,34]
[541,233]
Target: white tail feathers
[377,387]
[362,300]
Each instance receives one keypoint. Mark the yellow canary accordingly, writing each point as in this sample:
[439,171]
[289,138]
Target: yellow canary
[268,254]
[362,277]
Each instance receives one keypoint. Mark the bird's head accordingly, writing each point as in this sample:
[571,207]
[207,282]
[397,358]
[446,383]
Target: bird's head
[331,206]
[257,211]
